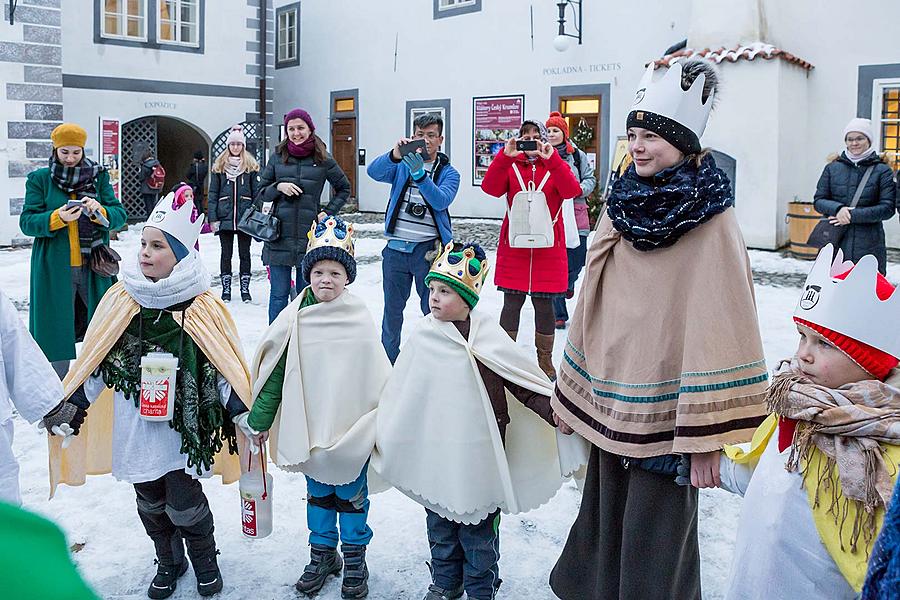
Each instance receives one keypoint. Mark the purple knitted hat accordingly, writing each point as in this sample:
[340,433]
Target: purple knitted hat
[299,113]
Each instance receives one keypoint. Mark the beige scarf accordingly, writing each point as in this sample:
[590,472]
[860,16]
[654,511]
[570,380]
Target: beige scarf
[437,439]
[664,354]
[335,371]
[208,323]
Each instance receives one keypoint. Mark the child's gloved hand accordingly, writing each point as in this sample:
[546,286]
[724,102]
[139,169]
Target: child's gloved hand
[255,439]
[416,165]
[65,419]
[684,470]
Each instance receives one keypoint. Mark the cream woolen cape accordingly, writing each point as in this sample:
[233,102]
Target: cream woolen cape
[437,438]
[335,371]
[208,323]
[664,353]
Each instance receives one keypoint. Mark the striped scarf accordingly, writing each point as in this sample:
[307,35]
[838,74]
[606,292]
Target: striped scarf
[77,179]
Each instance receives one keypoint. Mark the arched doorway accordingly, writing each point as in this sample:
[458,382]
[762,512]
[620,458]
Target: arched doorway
[171,140]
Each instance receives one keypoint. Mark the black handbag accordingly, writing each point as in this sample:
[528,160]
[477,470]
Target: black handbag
[259,225]
[825,231]
[104,260]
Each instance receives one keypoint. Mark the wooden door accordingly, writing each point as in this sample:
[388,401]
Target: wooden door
[343,139]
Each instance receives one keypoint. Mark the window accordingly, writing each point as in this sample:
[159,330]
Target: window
[125,19]
[450,8]
[287,36]
[451,4]
[890,125]
[344,105]
[179,22]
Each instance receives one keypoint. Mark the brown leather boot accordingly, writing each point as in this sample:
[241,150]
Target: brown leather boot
[512,334]
[544,345]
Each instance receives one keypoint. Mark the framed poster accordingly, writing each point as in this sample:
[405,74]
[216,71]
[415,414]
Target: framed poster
[111,150]
[495,119]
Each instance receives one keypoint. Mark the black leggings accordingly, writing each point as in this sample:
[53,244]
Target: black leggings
[226,240]
[512,307]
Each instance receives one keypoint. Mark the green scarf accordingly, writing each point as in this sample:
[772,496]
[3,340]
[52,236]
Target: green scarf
[199,415]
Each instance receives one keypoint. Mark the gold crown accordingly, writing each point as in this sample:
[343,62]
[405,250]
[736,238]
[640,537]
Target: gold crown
[461,267]
[334,232]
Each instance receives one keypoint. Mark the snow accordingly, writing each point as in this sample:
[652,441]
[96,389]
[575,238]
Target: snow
[117,557]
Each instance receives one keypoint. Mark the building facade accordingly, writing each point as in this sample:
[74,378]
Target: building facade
[168,76]
[794,74]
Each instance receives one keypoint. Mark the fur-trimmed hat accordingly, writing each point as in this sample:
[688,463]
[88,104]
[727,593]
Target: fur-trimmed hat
[330,239]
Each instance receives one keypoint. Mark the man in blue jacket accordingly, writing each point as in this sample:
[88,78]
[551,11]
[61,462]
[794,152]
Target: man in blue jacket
[417,221]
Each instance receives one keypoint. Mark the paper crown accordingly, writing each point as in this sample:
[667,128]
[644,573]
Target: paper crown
[333,232]
[660,92]
[850,306]
[462,269]
[178,219]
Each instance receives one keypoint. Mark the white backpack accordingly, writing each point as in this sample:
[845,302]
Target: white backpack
[530,224]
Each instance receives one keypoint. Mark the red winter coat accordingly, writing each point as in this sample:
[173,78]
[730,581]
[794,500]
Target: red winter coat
[532,269]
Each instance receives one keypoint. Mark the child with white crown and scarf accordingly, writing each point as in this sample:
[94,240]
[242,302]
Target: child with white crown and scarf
[317,376]
[819,472]
[162,305]
[466,430]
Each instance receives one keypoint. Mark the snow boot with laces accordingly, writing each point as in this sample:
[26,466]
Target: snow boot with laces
[355,583]
[324,561]
[436,593]
[171,565]
[226,286]
[245,288]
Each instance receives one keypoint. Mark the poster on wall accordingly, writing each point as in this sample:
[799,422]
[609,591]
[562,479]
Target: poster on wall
[495,119]
[110,150]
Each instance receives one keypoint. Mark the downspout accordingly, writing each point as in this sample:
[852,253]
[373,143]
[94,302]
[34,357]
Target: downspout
[263,52]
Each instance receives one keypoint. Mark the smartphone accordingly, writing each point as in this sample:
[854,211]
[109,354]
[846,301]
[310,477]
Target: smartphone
[526,145]
[73,203]
[412,146]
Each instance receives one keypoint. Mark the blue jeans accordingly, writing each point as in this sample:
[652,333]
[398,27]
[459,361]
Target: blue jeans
[576,257]
[327,504]
[465,554]
[399,271]
[280,287]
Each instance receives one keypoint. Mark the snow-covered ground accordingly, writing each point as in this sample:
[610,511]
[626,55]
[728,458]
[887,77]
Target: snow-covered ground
[117,557]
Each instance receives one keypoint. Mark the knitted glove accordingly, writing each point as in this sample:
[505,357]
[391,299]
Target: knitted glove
[253,436]
[64,420]
[416,165]
[684,470]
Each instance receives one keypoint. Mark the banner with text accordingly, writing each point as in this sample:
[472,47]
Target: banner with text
[495,119]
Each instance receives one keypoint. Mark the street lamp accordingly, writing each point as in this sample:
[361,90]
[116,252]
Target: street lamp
[561,41]
[12,11]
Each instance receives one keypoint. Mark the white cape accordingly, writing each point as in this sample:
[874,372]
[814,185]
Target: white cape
[335,371]
[437,438]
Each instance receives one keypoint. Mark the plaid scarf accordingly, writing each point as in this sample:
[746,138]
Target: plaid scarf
[77,179]
[846,425]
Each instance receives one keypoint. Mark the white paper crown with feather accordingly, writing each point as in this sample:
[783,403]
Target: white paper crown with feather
[660,93]
[178,221]
[850,306]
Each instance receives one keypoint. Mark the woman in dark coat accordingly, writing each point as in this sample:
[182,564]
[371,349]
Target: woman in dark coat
[232,189]
[293,181]
[64,290]
[149,195]
[838,184]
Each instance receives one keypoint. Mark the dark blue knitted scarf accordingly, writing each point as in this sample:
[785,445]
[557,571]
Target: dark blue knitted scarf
[654,212]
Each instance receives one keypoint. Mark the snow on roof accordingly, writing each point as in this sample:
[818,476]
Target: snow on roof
[749,52]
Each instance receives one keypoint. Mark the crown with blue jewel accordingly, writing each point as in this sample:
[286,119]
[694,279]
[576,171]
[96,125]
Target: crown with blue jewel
[330,239]
[463,267]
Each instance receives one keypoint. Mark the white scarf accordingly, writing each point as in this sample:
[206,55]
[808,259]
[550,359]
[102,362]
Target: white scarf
[234,167]
[855,158]
[188,280]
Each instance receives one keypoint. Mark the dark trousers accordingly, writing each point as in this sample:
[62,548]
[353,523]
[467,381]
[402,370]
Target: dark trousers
[635,537]
[465,554]
[576,257]
[400,270]
[174,507]
[280,287]
[226,241]
[150,201]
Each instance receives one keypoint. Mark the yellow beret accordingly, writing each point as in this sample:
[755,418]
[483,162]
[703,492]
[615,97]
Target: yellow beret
[68,134]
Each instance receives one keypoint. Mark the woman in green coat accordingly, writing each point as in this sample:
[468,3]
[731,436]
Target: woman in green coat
[69,210]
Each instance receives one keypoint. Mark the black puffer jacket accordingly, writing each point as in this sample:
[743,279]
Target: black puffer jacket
[835,190]
[297,213]
[228,200]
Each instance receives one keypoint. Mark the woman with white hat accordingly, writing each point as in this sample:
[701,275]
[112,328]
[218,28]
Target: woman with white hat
[858,166]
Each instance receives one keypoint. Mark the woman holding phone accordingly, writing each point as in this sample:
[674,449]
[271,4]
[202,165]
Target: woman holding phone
[70,208]
[541,273]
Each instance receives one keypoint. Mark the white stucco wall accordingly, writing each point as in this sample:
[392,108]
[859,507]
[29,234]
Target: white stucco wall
[12,187]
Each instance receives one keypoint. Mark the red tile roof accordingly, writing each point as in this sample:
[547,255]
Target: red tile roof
[750,52]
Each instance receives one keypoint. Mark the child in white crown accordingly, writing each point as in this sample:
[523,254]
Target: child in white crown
[823,463]
[162,305]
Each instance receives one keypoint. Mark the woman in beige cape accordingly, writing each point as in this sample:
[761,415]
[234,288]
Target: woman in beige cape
[664,361]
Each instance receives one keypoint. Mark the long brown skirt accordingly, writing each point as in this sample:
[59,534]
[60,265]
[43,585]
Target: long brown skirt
[635,537]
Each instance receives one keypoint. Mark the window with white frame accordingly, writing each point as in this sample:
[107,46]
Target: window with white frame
[124,19]
[415,113]
[287,37]
[888,105]
[179,22]
[451,4]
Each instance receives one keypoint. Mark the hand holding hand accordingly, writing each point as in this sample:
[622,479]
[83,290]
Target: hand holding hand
[510,148]
[214,225]
[65,419]
[289,189]
[255,439]
[705,469]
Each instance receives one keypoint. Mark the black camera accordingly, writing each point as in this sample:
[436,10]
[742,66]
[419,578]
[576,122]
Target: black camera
[415,209]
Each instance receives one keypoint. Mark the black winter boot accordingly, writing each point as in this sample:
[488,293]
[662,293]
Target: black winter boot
[324,561]
[171,565]
[245,287]
[226,286]
[356,575]
[436,593]
[203,557]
